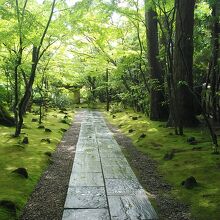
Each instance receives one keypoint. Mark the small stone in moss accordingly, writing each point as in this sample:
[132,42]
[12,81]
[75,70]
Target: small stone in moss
[8,205]
[131,130]
[46,140]
[191,139]
[48,153]
[64,121]
[47,130]
[142,136]
[25,140]
[21,171]
[41,127]
[63,129]
[189,183]
[169,155]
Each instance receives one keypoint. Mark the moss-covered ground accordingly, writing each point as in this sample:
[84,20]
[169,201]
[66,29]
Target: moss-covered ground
[189,160]
[31,156]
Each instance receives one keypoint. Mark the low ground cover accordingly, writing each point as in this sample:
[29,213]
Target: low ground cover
[188,159]
[34,157]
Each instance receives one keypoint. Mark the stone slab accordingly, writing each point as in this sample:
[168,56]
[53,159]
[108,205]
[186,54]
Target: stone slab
[110,153]
[82,156]
[86,197]
[114,161]
[87,166]
[106,142]
[135,207]
[86,179]
[118,172]
[88,151]
[85,142]
[122,186]
[86,214]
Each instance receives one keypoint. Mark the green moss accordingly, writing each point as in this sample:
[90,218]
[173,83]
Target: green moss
[32,156]
[204,200]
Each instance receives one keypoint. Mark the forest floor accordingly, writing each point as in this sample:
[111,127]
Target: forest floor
[151,141]
[144,143]
[146,170]
[34,156]
[48,198]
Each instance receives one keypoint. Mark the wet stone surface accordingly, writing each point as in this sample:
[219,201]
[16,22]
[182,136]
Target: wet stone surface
[118,172]
[86,179]
[122,186]
[88,166]
[134,207]
[86,214]
[86,197]
[102,184]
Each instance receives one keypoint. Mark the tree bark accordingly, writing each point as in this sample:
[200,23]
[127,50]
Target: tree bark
[214,58]
[183,62]
[158,111]
[107,91]
[36,56]
[22,107]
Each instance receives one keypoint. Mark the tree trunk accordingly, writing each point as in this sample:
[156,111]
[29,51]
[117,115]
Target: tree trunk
[214,58]
[183,62]
[22,107]
[158,111]
[36,56]
[107,91]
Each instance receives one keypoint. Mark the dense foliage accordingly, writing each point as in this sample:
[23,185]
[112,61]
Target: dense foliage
[51,48]
[158,57]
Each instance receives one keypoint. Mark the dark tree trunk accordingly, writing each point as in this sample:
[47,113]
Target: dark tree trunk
[183,62]
[92,82]
[107,91]
[22,107]
[36,56]
[16,91]
[214,73]
[158,111]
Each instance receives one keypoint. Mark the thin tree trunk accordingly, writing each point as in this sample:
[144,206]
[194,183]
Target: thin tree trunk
[36,56]
[107,91]
[22,107]
[214,60]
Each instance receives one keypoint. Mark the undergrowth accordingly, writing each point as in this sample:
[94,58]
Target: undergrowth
[14,154]
[154,139]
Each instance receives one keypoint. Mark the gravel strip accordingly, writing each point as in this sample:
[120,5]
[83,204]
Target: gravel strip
[48,198]
[146,169]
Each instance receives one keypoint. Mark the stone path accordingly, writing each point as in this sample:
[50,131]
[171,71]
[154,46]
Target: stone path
[102,184]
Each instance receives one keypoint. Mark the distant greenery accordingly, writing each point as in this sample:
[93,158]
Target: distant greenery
[204,200]
[136,54]
[14,154]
